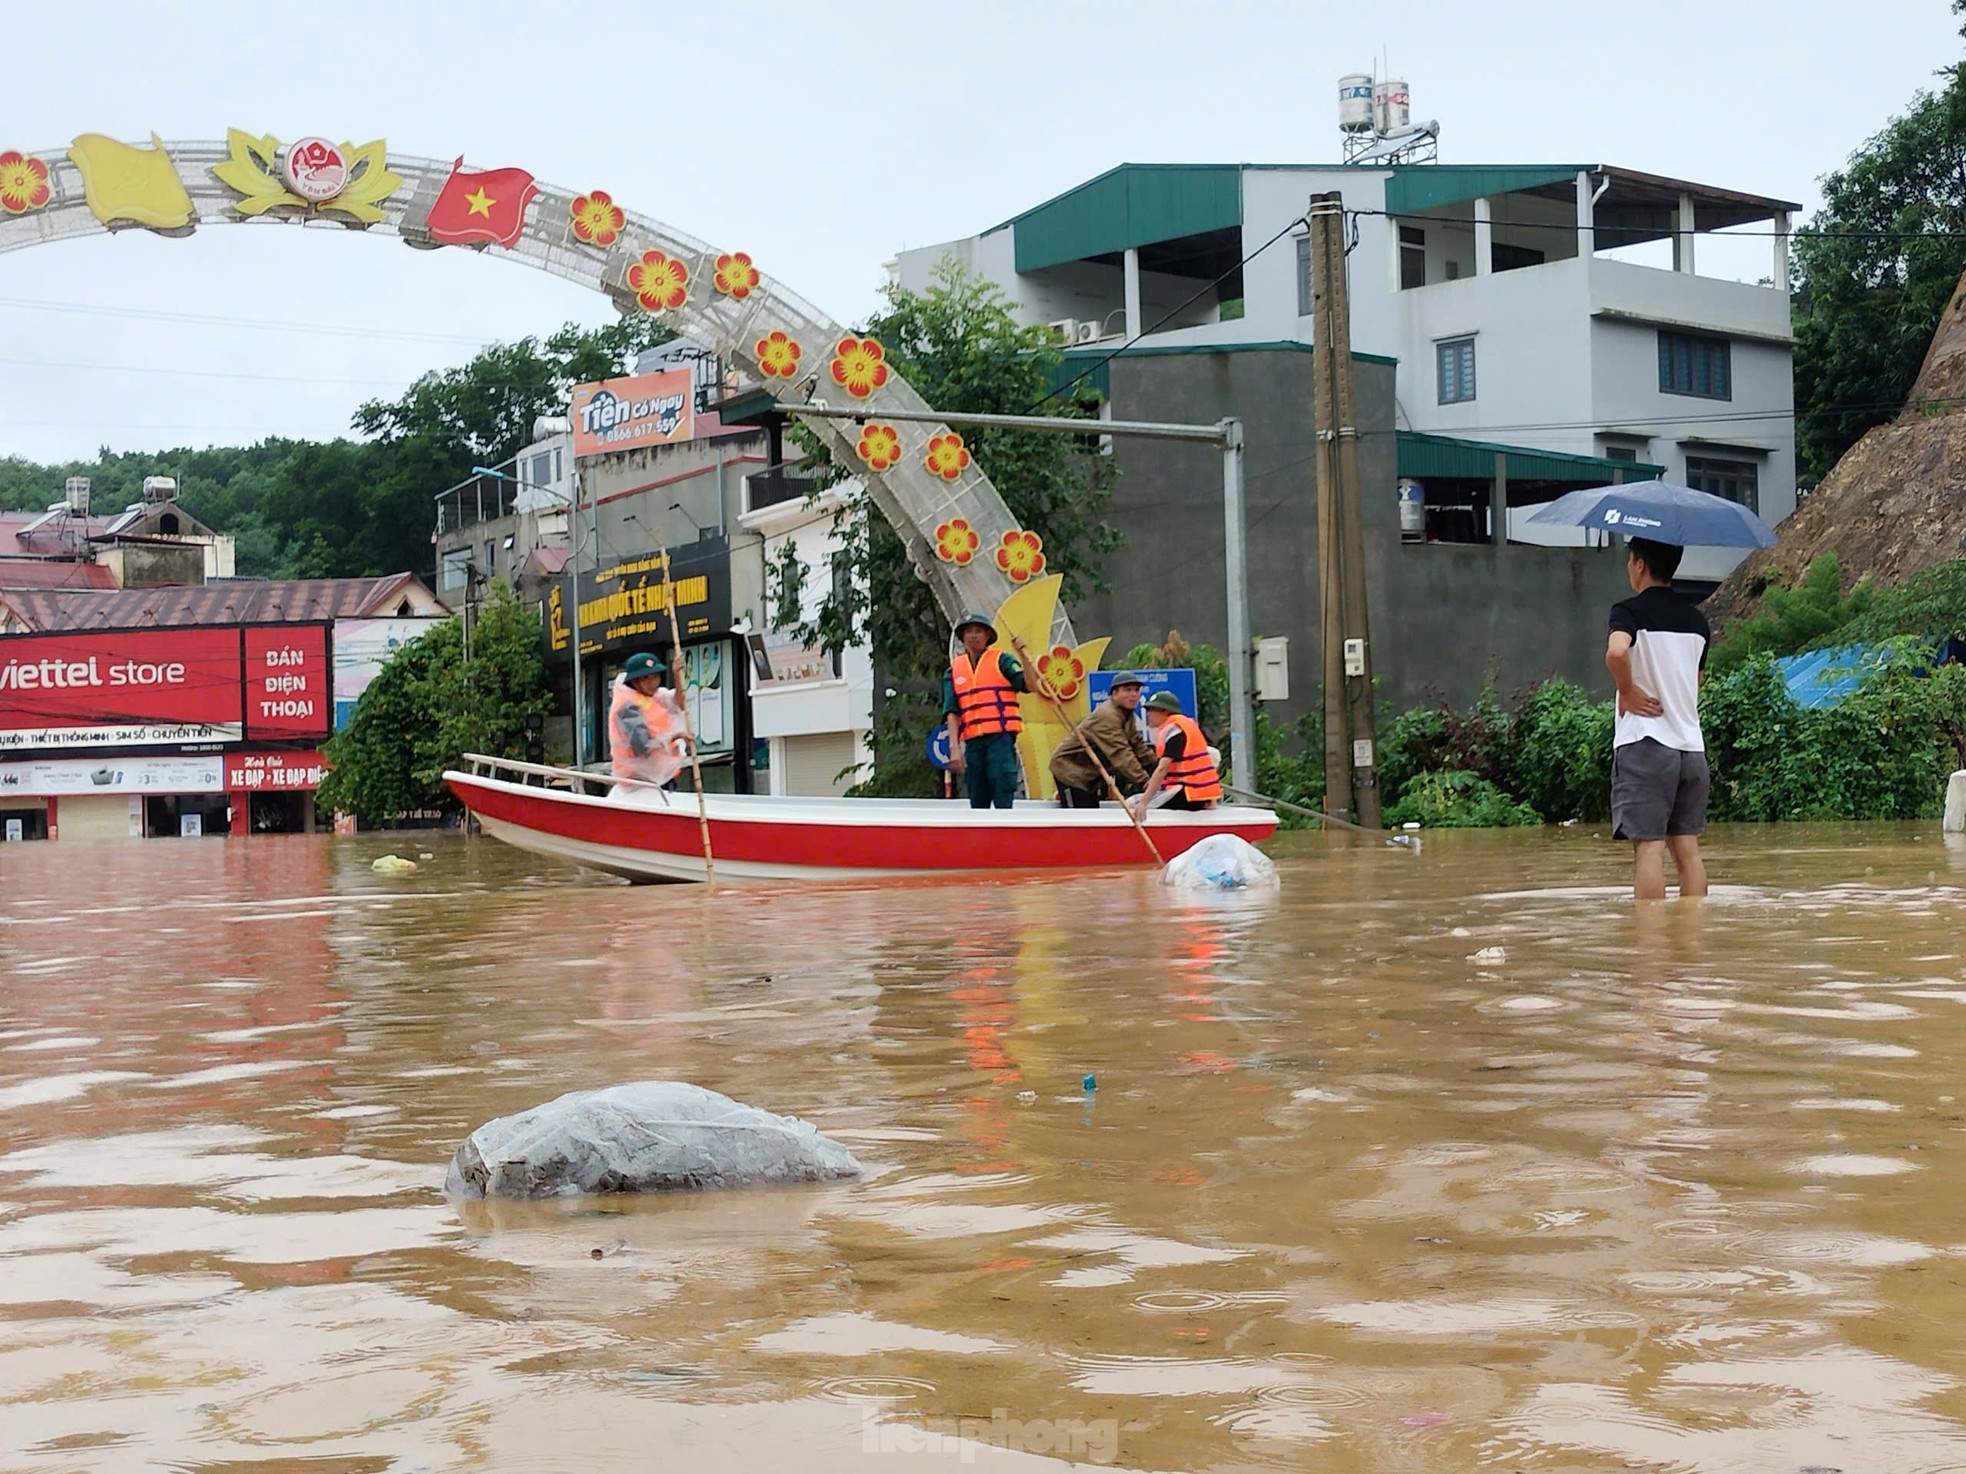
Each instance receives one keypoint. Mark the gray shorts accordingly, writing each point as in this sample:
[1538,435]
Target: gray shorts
[1657,791]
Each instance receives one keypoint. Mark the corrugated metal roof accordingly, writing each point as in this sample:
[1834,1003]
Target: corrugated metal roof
[1132,205]
[53,573]
[1411,188]
[241,601]
[1421,456]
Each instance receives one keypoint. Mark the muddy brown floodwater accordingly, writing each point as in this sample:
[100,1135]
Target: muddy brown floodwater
[1439,1162]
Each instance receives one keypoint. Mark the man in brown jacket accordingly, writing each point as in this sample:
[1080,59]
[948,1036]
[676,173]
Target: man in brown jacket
[1112,733]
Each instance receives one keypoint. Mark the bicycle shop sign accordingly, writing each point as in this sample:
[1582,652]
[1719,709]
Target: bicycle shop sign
[165,687]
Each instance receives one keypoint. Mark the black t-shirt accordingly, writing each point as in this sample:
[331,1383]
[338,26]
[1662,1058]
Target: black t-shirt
[1176,746]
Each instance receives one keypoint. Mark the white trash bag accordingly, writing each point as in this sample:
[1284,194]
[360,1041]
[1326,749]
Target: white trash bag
[653,1136]
[1222,862]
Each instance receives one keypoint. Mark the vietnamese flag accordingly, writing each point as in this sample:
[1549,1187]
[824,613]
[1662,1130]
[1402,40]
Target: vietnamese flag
[489,205]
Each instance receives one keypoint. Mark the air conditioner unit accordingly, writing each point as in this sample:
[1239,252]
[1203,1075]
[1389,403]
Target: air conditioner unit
[1088,332]
[1066,329]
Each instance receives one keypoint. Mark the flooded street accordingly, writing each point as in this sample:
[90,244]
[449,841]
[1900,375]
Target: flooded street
[1432,1162]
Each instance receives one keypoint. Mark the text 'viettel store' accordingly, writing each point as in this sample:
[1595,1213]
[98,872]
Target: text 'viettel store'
[153,732]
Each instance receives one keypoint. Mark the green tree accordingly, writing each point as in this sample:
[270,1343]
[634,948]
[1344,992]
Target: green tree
[429,705]
[1794,618]
[1874,270]
[958,344]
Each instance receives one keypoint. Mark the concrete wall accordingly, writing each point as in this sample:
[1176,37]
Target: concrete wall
[1443,616]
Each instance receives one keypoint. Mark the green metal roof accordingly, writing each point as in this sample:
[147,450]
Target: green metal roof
[1132,205]
[1415,187]
[1074,360]
[1421,456]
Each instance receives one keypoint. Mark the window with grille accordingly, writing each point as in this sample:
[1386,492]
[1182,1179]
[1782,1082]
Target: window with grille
[1454,362]
[1735,480]
[1701,367]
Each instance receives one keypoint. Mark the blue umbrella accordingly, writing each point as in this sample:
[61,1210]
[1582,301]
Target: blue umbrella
[1663,511]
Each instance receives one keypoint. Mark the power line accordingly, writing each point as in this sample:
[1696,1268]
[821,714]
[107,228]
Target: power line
[1723,233]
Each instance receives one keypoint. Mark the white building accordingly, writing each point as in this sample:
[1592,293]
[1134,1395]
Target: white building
[813,709]
[1507,294]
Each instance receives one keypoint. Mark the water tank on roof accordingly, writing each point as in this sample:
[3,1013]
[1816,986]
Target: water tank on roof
[1393,104]
[160,488]
[75,495]
[1355,103]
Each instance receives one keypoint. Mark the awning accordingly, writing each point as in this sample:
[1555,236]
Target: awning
[1447,458]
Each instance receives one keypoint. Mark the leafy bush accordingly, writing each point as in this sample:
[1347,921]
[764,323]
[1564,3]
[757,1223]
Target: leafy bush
[1795,618]
[1560,753]
[1458,800]
[1930,603]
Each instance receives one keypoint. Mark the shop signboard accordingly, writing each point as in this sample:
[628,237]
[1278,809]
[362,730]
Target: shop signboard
[120,688]
[362,647]
[633,413]
[288,681]
[623,606]
[63,777]
[780,656]
[707,674]
[274,772]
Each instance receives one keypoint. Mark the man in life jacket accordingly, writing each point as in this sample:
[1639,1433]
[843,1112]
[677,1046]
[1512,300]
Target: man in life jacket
[1184,768]
[979,704]
[646,737]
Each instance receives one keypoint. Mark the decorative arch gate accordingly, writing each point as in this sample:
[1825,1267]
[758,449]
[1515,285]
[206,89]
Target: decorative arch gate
[960,537]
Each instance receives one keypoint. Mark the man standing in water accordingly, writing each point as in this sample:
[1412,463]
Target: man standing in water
[1659,777]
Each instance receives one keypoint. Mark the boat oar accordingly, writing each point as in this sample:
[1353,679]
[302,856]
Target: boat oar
[1404,841]
[1044,690]
[695,763]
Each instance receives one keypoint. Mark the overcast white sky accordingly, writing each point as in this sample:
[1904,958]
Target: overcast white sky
[822,138]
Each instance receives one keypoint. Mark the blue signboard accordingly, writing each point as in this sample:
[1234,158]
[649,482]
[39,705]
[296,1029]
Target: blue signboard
[938,746]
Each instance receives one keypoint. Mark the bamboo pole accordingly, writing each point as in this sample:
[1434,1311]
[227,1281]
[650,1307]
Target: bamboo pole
[682,700]
[1044,690]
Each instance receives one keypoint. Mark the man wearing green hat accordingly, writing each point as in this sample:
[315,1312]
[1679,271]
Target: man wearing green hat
[646,735]
[1106,743]
[979,705]
[1185,768]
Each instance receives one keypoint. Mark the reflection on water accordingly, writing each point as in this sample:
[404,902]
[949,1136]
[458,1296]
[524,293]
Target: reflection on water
[1431,1162]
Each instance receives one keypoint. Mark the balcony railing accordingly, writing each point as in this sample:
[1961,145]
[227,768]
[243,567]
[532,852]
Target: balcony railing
[770,488]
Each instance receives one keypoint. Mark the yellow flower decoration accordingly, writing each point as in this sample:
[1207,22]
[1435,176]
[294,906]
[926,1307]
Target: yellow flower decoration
[1021,556]
[859,366]
[947,456]
[777,355]
[956,541]
[23,183]
[879,447]
[1062,671]
[659,281]
[736,276]
[597,219]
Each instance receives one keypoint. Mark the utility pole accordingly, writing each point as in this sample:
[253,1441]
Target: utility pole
[1325,221]
[1351,779]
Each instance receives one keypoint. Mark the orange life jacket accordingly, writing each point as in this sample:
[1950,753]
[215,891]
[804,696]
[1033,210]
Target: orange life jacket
[1194,771]
[621,752]
[986,703]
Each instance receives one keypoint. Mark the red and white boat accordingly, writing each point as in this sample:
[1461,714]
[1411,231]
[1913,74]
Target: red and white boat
[651,834]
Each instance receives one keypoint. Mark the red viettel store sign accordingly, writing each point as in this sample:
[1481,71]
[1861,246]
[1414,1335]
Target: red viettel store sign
[158,687]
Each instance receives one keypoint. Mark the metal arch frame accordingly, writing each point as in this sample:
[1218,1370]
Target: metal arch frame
[913,499]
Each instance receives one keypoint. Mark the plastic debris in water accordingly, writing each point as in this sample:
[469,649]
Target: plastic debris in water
[1222,862]
[1490,956]
[392,865]
[1091,1083]
[1027,1097]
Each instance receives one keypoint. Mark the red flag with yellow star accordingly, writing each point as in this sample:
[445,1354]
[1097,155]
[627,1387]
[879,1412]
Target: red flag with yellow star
[487,205]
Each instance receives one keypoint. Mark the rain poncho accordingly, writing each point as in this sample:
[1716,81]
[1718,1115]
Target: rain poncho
[645,733]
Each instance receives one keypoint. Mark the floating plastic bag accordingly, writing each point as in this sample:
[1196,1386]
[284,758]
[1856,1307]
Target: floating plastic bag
[653,1136]
[1222,862]
[392,865]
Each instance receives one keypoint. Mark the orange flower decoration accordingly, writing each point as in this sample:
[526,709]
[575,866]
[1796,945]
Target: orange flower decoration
[778,356]
[23,183]
[879,447]
[947,457]
[956,541]
[736,276]
[660,282]
[1062,671]
[859,366]
[597,219]
[1021,556]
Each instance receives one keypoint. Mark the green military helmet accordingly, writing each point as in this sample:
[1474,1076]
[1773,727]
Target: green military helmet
[1164,701]
[974,617]
[642,664]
